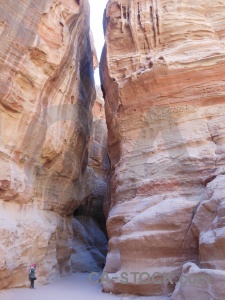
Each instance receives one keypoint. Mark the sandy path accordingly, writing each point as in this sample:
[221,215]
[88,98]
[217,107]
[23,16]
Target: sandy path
[75,287]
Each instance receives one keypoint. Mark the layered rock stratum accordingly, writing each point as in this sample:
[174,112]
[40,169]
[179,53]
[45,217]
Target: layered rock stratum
[162,70]
[46,96]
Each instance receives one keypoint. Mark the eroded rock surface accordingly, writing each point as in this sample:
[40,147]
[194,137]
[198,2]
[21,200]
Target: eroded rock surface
[46,97]
[202,284]
[89,245]
[163,77]
[90,237]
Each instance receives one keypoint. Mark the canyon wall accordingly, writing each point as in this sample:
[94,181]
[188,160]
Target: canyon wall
[46,96]
[90,237]
[162,70]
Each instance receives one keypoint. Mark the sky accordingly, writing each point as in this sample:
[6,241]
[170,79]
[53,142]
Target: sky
[97,9]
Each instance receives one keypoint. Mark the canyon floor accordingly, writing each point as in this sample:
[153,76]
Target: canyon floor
[72,287]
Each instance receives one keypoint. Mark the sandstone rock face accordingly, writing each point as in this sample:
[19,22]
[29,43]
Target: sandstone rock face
[202,284]
[163,77]
[46,97]
[90,241]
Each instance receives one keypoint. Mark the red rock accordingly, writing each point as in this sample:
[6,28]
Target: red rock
[163,77]
[46,96]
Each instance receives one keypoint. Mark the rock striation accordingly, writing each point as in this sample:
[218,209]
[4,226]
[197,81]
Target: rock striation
[46,96]
[162,70]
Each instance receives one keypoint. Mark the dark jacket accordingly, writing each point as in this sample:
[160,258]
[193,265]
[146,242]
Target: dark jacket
[32,273]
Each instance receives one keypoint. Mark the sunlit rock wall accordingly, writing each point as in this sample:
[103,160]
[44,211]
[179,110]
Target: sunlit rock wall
[163,76]
[46,97]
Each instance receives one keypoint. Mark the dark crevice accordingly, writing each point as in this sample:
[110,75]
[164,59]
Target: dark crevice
[92,207]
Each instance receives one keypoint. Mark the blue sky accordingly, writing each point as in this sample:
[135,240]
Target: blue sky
[97,9]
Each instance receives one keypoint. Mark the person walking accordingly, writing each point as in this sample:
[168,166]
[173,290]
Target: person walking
[32,276]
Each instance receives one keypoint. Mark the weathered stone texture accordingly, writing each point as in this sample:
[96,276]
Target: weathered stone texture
[46,96]
[90,237]
[163,76]
[202,284]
